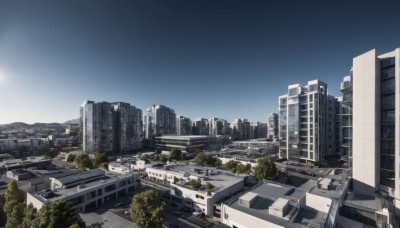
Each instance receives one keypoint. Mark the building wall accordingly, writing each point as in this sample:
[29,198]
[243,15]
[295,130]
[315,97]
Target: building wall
[365,123]
[233,217]
[318,203]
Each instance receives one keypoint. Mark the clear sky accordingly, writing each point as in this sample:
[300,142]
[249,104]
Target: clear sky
[205,58]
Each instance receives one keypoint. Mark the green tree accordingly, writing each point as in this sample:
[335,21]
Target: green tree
[209,186]
[52,154]
[104,166]
[265,169]
[43,218]
[14,205]
[196,184]
[232,165]
[60,214]
[2,214]
[100,158]
[146,210]
[163,159]
[175,154]
[200,159]
[243,169]
[83,161]
[71,158]
[30,218]
[145,157]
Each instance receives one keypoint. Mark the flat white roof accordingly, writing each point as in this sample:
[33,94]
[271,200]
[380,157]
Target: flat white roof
[279,203]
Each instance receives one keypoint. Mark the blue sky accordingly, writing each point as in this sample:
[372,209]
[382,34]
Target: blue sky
[228,59]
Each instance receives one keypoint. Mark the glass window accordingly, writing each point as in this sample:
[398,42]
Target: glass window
[387,117]
[387,131]
[388,102]
[387,178]
[387,62]
[293,91]
[388,86]
[387,73]
[387,162]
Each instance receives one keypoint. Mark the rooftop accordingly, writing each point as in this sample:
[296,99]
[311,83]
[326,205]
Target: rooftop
[275,195]
[48,196]
[183,137]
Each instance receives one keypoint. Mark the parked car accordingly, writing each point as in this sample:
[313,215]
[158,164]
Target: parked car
[197,213]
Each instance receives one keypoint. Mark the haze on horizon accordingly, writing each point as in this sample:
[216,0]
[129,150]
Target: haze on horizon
[226,58]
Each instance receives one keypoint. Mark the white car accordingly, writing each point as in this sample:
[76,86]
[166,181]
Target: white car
[197,213]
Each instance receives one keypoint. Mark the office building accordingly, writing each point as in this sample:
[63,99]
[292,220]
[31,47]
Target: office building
[110,127]
[159,120]
[303,114]
[273,127]
[183,126]
[376,129]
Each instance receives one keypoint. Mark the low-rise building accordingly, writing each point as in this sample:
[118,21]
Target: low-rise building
[31,162]
[224,183]
[117,167]
[270,204]
[86,191]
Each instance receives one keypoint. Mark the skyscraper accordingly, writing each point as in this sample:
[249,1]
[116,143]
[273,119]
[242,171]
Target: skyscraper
[160,120]
[183,126]
[218,126]
[110,127]
[240,129]
[303,114]
[346,115]
[273,128]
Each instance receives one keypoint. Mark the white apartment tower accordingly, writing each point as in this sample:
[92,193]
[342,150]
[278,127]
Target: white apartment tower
[303,122]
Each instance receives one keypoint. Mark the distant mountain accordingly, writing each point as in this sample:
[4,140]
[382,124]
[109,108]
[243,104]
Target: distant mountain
[21,125]
[73,121]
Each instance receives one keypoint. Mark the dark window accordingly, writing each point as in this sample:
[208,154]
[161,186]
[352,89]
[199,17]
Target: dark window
[388,102]
[388,86]
[388,117]
[99,192]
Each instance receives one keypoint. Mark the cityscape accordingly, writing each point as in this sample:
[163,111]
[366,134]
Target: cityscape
[190,148]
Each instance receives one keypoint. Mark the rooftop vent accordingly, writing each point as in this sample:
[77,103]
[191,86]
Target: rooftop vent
[248,199]
[279,207]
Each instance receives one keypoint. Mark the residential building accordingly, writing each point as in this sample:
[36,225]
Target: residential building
[160,120]
[273,127]
[346,115]
[375,144]
[331,129]
[303,114]
[86,191]
[183,126]
[240,129]
[218,126]
[200,127]
[224,183]
[258,130]
[110,127]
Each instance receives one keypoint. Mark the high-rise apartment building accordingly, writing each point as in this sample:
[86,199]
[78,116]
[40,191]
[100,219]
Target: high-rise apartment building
[218,126]
[110,127]
[346,116]
[183,126]
[273,128]
[303,115]
[159,120]
[258,130]
[376,129]
[200,127]
[240,129]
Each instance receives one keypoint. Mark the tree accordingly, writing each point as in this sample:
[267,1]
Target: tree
[100,158]
[52,154]
[71,158]
[175,154]
[163,159]
[265,169]
[232,165]
[30,218]
[146,210]
[145,157]
[59,214]
[83,161]
[196,184]
[209,186]
[104,166]
[288,179]
[200,159]
[14,205]
[243,169]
